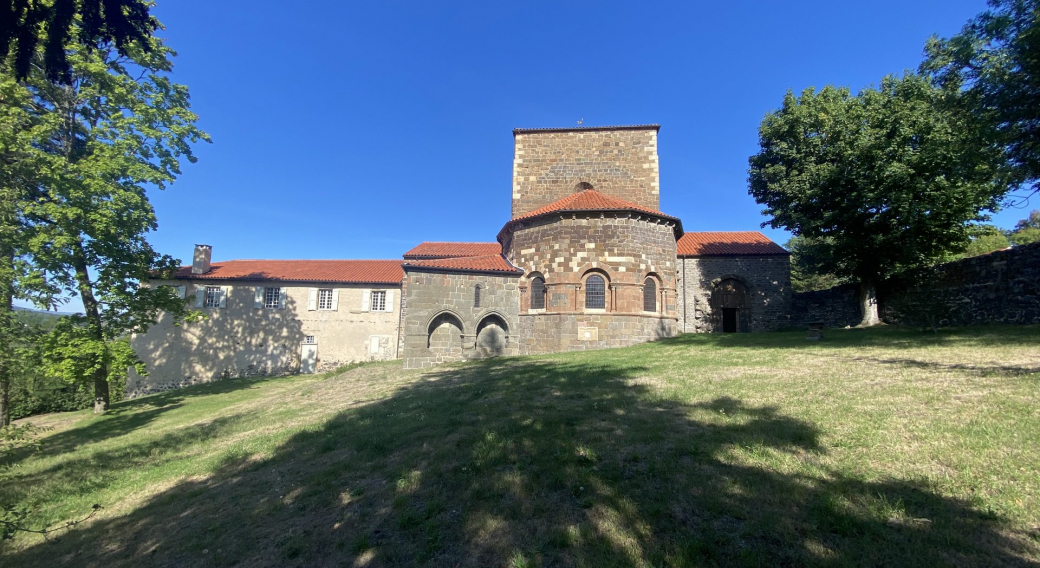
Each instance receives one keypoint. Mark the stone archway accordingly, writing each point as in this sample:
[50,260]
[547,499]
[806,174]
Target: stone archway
[444,337]
[492,337]
[730,307]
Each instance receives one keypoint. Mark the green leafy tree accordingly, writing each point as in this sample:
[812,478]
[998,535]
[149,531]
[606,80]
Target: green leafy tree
[1027,230]
[996,60]
[119,126]
[809,265]
[90,23]
[883,181]
[985,239]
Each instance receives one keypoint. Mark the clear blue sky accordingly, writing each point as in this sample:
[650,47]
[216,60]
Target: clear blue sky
[359,129]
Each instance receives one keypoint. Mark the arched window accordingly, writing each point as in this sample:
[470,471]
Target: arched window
[595,292]
[476,296]
[649,295]
[582,186]
[538,293]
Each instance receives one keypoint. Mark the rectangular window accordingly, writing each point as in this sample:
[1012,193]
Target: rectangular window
[325,299]
[378,300]
[213,296]
[272,297]
[310,340]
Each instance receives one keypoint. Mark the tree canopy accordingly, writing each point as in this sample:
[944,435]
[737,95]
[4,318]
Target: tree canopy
[882,181]
[88,152]
[996,60]
[26,25]
[1027,230]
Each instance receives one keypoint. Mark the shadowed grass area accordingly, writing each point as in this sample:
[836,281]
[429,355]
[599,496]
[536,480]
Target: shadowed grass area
[873,447]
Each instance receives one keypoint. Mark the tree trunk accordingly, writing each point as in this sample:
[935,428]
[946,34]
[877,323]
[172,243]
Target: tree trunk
[93,313]
[868,305]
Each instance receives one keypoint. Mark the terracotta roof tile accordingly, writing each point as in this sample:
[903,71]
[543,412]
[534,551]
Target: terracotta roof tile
[452,250]
[726,243]
[589,200]
[342,271]
[487,263]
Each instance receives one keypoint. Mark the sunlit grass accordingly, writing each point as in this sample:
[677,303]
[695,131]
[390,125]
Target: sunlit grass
[872,447]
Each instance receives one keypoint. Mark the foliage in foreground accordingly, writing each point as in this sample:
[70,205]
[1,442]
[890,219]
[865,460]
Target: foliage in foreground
[872,447]
[78,157]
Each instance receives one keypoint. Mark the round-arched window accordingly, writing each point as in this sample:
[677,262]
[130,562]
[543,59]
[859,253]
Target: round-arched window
[649,295]
[538,293]
[595,292]
[476,296]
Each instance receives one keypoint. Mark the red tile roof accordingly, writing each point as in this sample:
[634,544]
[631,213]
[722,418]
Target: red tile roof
[489,263]
[342,271]
[452,250]
[726,243]
[589,200]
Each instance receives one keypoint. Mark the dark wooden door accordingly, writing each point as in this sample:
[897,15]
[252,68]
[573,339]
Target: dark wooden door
[729,320]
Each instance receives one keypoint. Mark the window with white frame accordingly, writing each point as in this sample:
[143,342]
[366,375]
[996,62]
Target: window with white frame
[378,301]
[272,297]
[325,299]
[213,296]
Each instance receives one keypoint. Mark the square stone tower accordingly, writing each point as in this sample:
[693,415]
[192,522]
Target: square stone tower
[552,163]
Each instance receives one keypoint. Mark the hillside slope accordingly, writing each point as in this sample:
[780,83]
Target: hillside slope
[873,447]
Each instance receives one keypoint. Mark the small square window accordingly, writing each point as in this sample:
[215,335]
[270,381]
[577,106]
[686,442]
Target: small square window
[309,340]
[213,296]
[325,299]
[378,300]
[272,297]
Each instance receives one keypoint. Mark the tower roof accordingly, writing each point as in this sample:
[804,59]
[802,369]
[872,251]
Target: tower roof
[591,200]
[586,128]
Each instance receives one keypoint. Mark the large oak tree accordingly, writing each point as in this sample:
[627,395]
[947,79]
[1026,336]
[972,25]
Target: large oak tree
[885,180]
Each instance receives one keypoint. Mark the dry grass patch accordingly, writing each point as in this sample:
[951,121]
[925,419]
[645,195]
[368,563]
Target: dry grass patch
[873,447]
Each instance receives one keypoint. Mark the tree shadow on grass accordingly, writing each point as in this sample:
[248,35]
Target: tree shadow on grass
[127,416]
[526,462]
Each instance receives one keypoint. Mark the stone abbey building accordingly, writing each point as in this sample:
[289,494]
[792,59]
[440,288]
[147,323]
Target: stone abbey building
[586,261]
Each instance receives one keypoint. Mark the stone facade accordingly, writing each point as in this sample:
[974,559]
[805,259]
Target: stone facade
[623,248]
[585,230]
[443,324]
[766,280]
[240,339]
[549,164]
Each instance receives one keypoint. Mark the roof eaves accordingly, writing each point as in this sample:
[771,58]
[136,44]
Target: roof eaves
[586,128]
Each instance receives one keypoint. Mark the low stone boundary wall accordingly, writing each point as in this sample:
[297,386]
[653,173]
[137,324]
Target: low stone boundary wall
[1002,287]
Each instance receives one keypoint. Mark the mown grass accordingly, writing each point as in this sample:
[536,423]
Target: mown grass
[878,447]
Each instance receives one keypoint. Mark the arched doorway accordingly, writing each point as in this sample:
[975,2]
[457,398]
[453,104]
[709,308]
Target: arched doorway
[492,337]
[444,338]
[731,307]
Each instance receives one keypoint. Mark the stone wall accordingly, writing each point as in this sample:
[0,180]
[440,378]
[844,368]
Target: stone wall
[553,332]
[441,323]
[549,164]
[766,278]
[999,287]
[624,249]
[242,340]
[834,307]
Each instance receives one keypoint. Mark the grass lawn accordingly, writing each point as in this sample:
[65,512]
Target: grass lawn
[879,447]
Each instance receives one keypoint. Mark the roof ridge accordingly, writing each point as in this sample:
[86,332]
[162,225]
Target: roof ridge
[307,260]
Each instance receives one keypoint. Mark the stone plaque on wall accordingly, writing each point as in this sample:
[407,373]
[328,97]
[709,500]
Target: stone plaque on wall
[588,334]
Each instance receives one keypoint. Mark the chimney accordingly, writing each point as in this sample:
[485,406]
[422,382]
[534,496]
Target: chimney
[200,262]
